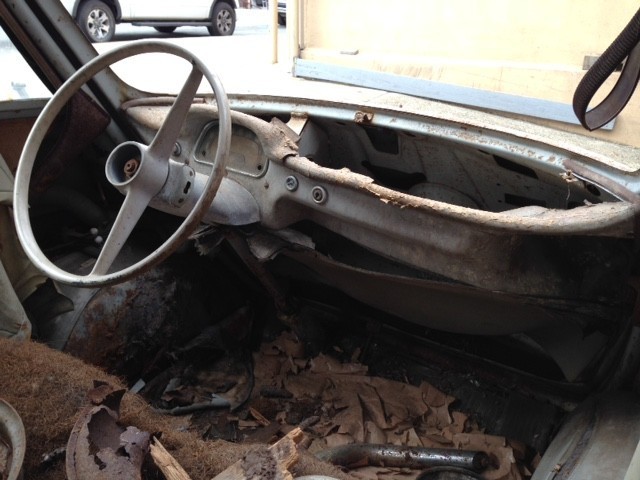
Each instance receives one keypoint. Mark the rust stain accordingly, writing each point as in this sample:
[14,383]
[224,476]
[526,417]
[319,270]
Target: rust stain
[363,117]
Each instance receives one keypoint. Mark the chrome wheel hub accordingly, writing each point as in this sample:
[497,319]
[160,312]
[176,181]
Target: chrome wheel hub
[98,23]
[224,21]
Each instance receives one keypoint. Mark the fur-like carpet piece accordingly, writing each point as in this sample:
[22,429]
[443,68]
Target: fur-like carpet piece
[48,389]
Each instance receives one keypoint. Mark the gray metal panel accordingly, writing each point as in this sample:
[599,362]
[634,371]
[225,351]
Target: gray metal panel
[600,440]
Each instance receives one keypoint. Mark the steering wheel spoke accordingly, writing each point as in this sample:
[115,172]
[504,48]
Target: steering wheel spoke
[135,203]
[164,141]
[138,171]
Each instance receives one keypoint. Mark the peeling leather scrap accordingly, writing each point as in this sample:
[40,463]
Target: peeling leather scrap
[98,447]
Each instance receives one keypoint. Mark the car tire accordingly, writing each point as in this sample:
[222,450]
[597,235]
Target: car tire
[165,29]
[223,20]
[97,21]
[282,19]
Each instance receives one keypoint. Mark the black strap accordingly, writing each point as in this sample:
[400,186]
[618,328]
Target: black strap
[625,46]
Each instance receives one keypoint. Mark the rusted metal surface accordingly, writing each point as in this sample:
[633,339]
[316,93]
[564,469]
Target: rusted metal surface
[98,447]
[363,117]
[567,248]
[124,325]
[502,251]
[131,167]
[274,139]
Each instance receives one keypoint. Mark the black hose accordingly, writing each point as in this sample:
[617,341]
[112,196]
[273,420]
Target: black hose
[361,454]
[624,46]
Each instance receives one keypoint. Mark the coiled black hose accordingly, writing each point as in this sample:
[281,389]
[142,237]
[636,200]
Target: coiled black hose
[625,46]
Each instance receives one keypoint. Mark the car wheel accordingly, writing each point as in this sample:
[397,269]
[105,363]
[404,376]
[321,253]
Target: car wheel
[282,19]
[96,21]
[223,20]
[165,29]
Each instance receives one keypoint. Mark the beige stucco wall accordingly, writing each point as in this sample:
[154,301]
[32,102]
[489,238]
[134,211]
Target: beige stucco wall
[529,48]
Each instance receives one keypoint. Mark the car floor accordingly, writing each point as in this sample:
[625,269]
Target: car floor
[341,386]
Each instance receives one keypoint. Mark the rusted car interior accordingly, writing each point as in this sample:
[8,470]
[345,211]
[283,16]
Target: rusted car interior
[400,239]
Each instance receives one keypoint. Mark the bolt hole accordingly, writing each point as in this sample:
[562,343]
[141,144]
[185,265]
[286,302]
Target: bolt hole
[187,187]
[319,195]
[131,167]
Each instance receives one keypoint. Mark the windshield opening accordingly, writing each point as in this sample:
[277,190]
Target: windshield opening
[18,81]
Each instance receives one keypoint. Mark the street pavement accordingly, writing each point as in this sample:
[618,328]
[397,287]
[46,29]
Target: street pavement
[243,61]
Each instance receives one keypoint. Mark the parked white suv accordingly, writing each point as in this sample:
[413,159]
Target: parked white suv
[98,18]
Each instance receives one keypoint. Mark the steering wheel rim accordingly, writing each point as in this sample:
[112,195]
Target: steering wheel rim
[171,127]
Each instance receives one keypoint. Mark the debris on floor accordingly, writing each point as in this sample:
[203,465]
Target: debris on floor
[210,414]
[354,408]
[336,403]
[49,389]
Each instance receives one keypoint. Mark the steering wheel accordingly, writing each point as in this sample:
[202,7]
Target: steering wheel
[138,170]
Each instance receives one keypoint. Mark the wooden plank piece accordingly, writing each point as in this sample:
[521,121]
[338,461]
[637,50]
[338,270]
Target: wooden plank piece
[168,465]
[267,463]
